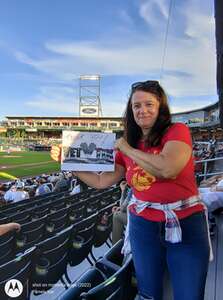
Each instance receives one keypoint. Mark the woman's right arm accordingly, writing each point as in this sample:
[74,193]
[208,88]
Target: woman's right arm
[102,180]
[98,181]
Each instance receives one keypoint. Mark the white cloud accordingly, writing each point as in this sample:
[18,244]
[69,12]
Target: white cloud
[199,25]
[148,10]
[55,99]
[88,58]
[189,67]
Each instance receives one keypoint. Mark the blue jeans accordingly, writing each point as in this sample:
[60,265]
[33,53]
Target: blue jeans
[187,261]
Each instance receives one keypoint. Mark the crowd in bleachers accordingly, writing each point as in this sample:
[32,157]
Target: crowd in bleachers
[17,190]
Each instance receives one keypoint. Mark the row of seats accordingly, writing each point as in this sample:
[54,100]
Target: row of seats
[35,211]
[48,219]
[111,278]
[41,266]
[21,206]
[22,203]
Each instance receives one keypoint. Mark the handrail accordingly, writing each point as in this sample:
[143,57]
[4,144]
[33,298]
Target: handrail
[210,159]
[205,162]
[209,174]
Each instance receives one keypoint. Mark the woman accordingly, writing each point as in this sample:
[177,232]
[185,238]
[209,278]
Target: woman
[167,223]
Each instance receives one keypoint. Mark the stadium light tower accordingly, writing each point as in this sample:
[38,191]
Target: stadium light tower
[89,96]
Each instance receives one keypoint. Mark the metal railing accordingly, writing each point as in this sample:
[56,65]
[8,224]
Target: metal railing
[206,172]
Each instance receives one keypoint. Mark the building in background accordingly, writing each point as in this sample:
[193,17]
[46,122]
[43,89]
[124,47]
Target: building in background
[204,123]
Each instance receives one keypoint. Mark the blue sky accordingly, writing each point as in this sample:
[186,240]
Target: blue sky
[46,45]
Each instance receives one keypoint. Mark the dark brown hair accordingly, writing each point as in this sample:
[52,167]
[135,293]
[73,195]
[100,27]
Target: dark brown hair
[132,132]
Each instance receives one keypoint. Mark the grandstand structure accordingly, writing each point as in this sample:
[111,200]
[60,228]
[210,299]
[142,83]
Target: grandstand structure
[204,123]
[60,231]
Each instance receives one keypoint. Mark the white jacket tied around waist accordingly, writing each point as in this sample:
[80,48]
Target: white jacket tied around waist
[173,233]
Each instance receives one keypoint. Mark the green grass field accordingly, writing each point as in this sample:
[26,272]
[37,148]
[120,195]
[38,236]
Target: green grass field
[24,164]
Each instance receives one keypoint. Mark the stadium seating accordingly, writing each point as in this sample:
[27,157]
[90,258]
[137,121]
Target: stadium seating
[3,219]
[92,277]
[115,287]
[104,225]
[82,240]
[22,217]
[56,221]
[62,230]
[113,255]
[104,280]
[30,234]
[7,247]
[23,204]
[51,262]
[92,205]
[20,268]
[76,212]
[43,224]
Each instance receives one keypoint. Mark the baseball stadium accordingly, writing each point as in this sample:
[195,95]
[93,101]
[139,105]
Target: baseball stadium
[150,228]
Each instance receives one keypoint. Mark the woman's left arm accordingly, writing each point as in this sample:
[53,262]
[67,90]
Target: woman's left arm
[167,164]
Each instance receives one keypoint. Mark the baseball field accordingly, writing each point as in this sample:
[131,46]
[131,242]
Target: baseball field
[26,164]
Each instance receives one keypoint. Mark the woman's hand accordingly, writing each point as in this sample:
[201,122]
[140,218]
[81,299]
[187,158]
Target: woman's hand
[122,145]
[55,152]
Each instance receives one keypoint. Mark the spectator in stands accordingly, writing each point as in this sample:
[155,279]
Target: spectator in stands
[197,157]
[53,178]
[9,193]
[69,177]
[42,188]
[2,191]
[167,223]
[211,181]
[62,184]
[120,213]
[213,143]
[16,193]
[76,189]
[75,186]
[212,192]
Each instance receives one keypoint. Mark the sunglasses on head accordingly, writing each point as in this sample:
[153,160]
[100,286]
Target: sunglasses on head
[148,83]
